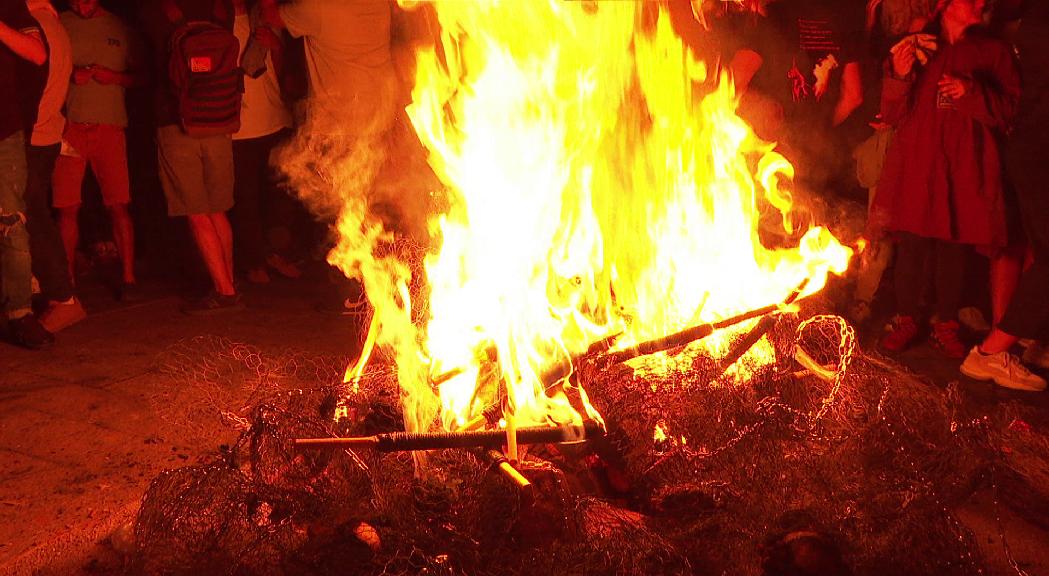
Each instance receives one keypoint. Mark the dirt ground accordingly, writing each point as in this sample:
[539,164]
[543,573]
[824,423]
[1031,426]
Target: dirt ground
[85,426]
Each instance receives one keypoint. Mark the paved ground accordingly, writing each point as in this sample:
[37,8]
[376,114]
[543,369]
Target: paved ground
[85,426]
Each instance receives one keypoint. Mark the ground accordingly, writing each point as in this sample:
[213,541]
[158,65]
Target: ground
[85,426]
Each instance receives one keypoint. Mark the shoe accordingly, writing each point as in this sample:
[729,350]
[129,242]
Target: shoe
[130,292]
[946,339]
[347,307]
[258,276]
[1005,369]
[28,333]
[901,333]
[283,267]
[973,319]
[1037,354]
[62,315]
[213,303]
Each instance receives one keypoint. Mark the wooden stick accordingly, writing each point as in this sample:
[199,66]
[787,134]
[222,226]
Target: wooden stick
[403,441]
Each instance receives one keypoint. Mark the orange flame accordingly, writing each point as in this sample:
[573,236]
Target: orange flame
[599,184]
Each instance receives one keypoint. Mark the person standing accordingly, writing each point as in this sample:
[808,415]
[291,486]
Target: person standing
[50,265]
[196,170]
[20,41]
[942,189]
[264,122]
[105,64]
[1027,166]
[352,103]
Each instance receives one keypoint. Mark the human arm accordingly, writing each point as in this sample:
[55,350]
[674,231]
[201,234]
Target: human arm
[107,76]
[28,44]
[851,93]
[991,98]
[744,65]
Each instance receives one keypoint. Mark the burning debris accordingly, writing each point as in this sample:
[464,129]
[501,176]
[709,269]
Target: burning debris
[599,315]
[860,471]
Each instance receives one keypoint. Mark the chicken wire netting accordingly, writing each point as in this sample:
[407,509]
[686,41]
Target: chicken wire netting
[840,463]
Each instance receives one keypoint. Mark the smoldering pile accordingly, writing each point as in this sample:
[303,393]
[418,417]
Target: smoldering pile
[851,465]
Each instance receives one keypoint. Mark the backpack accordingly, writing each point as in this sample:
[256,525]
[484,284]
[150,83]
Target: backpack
[205,75]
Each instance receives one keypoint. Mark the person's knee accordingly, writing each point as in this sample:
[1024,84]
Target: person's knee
[119,211]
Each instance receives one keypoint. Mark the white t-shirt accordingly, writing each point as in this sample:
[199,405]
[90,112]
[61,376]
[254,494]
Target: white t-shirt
[262,111]
[353,84]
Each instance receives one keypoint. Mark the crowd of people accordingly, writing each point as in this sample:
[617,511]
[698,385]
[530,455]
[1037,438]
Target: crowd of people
[936,105]
[225,82]
[929,109]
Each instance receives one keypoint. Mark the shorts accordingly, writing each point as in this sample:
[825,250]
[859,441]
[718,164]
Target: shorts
[196,173]
[104,147]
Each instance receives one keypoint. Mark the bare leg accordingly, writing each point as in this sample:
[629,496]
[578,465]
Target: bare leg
[211,250]
[225,234]
[1006,269]
[124,235]
[997,341]
[69,228]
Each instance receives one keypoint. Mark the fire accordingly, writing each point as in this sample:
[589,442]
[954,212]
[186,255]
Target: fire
[599,183]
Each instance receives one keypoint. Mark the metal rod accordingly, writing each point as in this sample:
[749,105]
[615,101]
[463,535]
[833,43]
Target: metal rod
[404,441]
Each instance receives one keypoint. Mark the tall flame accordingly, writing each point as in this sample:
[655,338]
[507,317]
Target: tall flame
[600,183]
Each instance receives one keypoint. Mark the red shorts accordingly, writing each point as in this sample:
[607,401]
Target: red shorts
[103,147]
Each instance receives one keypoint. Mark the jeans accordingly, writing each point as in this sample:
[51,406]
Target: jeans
[16,280]
[45,243]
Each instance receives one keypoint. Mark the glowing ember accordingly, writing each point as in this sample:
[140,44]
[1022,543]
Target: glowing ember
[599,184]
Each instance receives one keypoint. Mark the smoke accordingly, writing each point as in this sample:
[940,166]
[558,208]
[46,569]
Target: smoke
[358,167]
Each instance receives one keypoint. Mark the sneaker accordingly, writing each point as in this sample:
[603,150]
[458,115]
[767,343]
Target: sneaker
[1005,369]
[1037,354]
[62,315]
[213,303]
[900,334]
[258,276]
[347,307]
[283,266]
[946,339]
[973,319]
[130,292]
[28,333]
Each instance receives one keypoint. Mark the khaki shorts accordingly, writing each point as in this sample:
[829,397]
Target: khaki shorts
[196,173]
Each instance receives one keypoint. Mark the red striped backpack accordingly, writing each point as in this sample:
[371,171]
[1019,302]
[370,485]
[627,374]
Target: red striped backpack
[205,74]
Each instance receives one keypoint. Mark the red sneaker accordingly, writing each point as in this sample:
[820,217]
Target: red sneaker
[900,334]
[946,339]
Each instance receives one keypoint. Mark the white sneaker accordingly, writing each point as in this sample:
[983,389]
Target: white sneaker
[1005,369]
[1037,354]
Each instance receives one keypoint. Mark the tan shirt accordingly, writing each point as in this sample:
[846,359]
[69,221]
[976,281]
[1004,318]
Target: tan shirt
[106,41]
[262,111]
[353,84]
[49,119]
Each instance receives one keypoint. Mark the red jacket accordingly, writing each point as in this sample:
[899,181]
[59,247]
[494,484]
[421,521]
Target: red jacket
[943,173]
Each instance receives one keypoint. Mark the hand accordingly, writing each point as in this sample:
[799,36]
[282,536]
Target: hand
[106,76]
[903,57]
[265,36]
[82,75]
[954,87]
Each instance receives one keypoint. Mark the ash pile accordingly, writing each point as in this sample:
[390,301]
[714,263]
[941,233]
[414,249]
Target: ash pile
[826,462]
